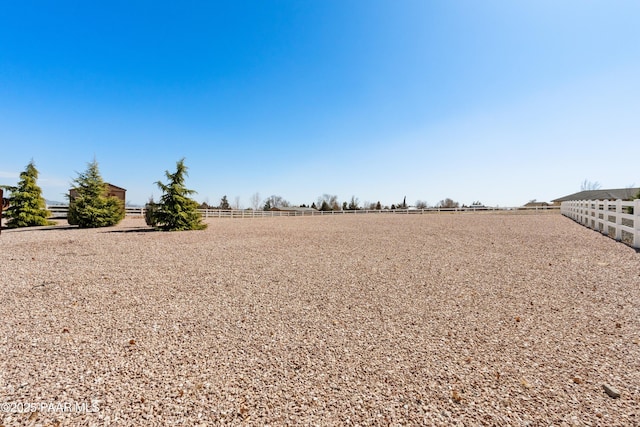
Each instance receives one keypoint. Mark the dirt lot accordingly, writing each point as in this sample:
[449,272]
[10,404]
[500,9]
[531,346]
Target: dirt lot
[441,319]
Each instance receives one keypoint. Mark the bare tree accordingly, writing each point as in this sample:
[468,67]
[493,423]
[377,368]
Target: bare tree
[630,192]
[255,201]
[236,202]
[353,204]
[589,186]
[448,203]
[275,202]
[421,204]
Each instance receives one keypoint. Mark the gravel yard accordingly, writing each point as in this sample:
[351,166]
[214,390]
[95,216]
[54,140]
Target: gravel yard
[438,319]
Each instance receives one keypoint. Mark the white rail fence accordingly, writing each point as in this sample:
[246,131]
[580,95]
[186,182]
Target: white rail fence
[60,211]
[615,218]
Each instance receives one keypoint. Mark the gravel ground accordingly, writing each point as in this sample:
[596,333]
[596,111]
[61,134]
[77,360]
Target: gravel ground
[441,319]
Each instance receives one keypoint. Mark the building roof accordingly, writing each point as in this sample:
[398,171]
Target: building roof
[115,186]
[611,194]
[533,204]
[109,185]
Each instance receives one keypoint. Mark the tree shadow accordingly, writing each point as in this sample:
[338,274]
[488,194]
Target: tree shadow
[75,227]
[39,228]
[132,230]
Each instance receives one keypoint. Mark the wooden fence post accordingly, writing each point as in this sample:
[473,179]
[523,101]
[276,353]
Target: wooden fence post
[618,236]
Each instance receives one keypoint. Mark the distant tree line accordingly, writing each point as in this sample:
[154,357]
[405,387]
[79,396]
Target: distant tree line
[327,202]
[330,202]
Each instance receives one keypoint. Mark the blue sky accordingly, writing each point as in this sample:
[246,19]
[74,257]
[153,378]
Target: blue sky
[496,101]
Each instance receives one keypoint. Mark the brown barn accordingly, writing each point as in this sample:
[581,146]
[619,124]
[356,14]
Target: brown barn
[112,190]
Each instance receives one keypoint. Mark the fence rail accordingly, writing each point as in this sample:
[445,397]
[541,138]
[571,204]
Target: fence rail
[615,218]
[60,211]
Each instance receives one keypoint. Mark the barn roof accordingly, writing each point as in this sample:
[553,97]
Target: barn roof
[109,185]
[115,186]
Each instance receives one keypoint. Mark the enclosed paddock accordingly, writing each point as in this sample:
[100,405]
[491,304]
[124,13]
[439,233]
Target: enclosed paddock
[466,319]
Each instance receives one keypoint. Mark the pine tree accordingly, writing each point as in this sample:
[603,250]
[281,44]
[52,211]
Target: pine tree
[150,211]
[224,203]
[27,207]
[176,211]
[91,207]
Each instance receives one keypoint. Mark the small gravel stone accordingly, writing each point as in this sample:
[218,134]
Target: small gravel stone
[611,391]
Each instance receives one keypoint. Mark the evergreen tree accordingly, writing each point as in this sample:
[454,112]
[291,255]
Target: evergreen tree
[27,207]
[224,203]
[176,211]
[150,211]
[378,206]
[267,205]
[91,207]
[313,205]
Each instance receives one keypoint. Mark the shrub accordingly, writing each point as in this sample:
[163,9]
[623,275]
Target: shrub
[91,207]
[150,212]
